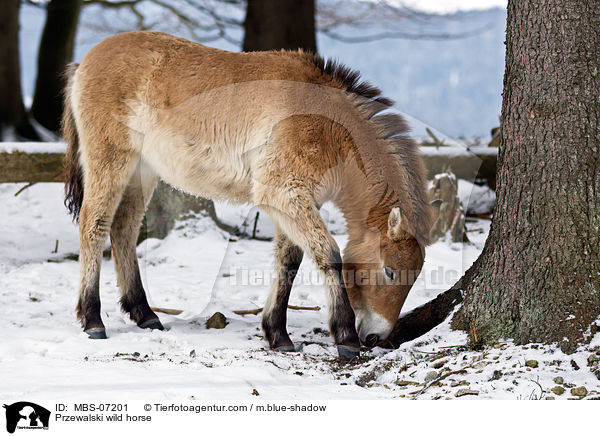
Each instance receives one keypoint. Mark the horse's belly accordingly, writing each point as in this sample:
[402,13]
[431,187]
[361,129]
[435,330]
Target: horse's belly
[210,171]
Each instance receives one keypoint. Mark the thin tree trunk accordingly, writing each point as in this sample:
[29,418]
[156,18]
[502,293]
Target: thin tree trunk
[538,278]
[55,52]
[280,24]
[13,118]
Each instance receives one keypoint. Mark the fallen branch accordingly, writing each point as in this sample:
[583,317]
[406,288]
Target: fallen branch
[29,185]
[259,310]
[167,311]
[237,312]
[439,378]
[424,318]
[248,311]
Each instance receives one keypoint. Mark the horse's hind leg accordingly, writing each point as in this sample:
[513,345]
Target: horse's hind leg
[288,257]
[105,181]
[123,236]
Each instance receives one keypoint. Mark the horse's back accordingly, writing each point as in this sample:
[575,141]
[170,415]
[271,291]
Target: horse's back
[199,116]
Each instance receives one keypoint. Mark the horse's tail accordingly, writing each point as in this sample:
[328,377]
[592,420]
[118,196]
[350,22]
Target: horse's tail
[72,171]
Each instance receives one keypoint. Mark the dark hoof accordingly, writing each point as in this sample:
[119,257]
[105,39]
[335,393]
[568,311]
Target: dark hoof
[96,333]
[285,348]
[152,324]
[348,353]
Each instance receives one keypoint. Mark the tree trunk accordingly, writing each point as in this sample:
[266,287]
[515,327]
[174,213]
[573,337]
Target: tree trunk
[538,277]
[55,52]
[277,24]
[14,123]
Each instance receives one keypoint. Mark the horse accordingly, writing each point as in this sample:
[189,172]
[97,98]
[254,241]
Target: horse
[284,130]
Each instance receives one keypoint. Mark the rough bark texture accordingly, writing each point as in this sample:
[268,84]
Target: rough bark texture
[538,277]
[13,118]
[55,52]
[277,24]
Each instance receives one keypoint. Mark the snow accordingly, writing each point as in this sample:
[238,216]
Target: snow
[199,270]
[32,147]
[476,199]
[452,6]
[458,150]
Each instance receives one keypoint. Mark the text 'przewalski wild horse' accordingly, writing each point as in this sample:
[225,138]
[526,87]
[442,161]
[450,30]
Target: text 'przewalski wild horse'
[284,130]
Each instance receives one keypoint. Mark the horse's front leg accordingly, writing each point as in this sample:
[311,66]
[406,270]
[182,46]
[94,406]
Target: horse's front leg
[288,257]
[303,225]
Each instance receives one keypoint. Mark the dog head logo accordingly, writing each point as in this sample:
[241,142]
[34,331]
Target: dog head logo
[26,415]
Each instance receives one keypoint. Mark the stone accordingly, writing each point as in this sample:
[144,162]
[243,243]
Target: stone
[439,363]
[463,392]
[579,391]
[558,380]
[593,360]
[558,390]
[217,321]
[496,375]
[481,364]
[531,363]
[405,383]
[431,375]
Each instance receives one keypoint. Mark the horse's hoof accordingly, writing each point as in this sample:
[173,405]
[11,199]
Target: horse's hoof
[96,333]
[348,353]
[285,348]
[152,324]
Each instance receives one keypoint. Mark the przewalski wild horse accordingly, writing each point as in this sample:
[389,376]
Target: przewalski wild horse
[284,130]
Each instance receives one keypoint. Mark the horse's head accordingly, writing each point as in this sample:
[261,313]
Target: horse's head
[378,288]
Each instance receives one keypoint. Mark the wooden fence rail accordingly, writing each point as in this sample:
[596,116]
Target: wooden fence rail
[42,162]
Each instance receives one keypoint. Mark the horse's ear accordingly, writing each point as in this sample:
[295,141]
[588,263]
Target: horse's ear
[395,224]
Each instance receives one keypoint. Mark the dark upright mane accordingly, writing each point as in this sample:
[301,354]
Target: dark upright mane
[393,129]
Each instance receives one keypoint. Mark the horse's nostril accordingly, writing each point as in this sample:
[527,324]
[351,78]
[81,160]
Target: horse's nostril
[371,340]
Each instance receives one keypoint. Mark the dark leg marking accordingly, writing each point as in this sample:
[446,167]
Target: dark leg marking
[88,311]
[341,316]
[135,303]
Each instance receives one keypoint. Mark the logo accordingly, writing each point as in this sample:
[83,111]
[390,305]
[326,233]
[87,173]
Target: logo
[26,415]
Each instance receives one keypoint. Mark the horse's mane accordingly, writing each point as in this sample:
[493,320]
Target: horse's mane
[393,129]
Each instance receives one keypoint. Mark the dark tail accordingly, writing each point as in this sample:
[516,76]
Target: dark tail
[72,172]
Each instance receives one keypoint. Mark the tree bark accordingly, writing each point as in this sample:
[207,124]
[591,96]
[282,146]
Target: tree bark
[538,277]
[280,24]
[13,118]
[55,52]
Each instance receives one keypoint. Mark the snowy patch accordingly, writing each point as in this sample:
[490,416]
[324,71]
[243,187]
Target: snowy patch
[191,270]
[476,199]
[32,147]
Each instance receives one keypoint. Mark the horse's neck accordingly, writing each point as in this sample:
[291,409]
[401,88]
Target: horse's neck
[366,216]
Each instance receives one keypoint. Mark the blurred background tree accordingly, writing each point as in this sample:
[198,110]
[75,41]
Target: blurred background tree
[14,121]
[250,25]
[55,52]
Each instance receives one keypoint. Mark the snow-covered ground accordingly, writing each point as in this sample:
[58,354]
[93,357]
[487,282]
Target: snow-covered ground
[43,352]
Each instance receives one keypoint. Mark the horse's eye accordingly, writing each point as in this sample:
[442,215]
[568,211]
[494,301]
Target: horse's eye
[389,273]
